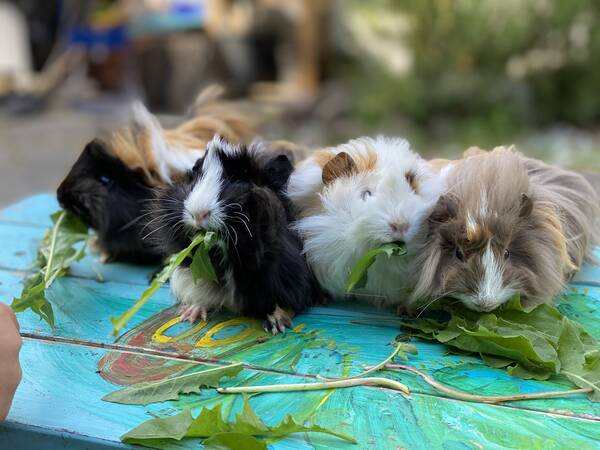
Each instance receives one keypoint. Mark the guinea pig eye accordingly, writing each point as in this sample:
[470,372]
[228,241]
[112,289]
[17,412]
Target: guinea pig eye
[459,254]
[506,254]
[104,180]
[366,193]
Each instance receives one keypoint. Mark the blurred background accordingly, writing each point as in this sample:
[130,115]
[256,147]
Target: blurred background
[446,74]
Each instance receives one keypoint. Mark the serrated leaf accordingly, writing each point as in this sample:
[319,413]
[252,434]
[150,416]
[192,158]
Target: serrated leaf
[171,388]
[233,441]
[358,276]
[55,255]
[174,428]
[209,424]
[173,262]
[531,343]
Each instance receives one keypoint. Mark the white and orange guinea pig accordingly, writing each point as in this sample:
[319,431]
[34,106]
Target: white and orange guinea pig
[507,224]
[355,197]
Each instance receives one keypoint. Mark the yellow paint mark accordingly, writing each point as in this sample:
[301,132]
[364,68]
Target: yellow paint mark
[574,289]
[252,328]
[160,337]
[300,328]
[586,291]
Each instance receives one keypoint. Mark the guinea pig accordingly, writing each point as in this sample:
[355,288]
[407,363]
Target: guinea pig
[358,196]
[261,271]
[108,187]
[507,224]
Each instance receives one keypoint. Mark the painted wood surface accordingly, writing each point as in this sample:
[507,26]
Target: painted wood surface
[63,384]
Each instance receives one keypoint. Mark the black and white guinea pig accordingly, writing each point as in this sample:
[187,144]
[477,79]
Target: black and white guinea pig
[261,271]
[506,224]
[109,185]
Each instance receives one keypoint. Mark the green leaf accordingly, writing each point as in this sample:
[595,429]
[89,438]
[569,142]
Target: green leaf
[55,255]
[217,432]
[358,276]
[170,388]
[233,441]
[174,427]
[174,261]
[202,267]
[532,343]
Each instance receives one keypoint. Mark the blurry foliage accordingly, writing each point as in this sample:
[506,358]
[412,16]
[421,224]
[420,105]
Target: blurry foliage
[478,70]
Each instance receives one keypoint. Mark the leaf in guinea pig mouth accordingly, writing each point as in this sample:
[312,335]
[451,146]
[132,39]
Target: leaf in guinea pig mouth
[59,248]
[531,343]
[201,268]
[358,276]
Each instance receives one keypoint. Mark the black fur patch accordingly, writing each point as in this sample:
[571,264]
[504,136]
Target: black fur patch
[262,253]
[110,198]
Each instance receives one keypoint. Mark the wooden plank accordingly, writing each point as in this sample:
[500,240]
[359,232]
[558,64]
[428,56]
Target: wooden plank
[61,392]
[34,210]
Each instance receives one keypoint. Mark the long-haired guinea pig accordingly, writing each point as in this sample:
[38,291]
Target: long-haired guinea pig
[355,197]
[261,271]
[108,187]
[506,225]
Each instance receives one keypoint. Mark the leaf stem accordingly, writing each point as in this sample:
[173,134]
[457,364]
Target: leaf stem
[492,399]
[62,215]
[344,383]
[397,349]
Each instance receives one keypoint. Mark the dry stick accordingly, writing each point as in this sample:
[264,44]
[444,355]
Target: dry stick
[493,399]
[343,383]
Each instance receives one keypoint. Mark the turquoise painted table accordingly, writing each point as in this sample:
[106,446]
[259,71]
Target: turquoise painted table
[67,370]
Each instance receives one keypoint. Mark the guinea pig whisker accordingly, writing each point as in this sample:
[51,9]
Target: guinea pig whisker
[130,223]
[241,214]
[424,308]
[240,220]
[155,230]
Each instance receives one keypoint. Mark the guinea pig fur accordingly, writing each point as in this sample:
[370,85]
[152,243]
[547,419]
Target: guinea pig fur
[259,263]
[108,187]
[355,197]
[507,224]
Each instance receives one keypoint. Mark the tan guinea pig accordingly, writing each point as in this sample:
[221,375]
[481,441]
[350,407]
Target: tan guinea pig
[506,224]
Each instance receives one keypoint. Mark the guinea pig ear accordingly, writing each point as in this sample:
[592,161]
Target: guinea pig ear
[96,147]
[444,210]
[340,165]
[526,206]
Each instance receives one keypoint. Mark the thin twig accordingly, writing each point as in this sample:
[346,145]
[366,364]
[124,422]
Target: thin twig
[344,383]
[493,399]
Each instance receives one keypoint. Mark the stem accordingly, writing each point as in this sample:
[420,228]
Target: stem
[372,381]
[397,348]
[493,399]
[52,246]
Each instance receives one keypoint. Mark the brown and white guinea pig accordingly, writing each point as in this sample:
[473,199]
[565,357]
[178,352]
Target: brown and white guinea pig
[110,184]
[236,191]
[507,224]
[355,197]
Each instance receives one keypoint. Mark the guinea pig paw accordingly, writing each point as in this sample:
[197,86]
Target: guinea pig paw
[405,310]
[191,313]
[278,321]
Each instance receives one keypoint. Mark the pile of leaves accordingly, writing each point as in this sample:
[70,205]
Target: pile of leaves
[247,431]
[531,343]
[358,276]
[201,268]
[57,251]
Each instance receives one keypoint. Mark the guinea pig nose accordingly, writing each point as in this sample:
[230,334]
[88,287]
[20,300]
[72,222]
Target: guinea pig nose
[202,216]
[399,227]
